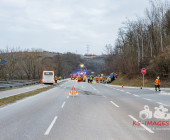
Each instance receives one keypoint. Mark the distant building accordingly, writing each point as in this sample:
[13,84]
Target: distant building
[90,55]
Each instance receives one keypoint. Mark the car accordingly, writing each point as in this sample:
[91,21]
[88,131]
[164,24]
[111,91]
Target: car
[107,80]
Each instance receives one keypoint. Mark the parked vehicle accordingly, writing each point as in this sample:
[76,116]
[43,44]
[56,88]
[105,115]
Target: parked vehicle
[48,77]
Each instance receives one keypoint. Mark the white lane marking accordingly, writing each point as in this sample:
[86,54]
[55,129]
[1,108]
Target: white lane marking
[128,92]
[98,91]
[63,105]
[147,99]
[104,96]
[114,104]
[67,96]
[149,130]
[51,125]
[122,90]
[162,104]
[135,95]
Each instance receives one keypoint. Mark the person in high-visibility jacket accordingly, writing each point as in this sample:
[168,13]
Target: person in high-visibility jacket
[101,79]
[55,79]
[91,79]
[97,79]
[157,84]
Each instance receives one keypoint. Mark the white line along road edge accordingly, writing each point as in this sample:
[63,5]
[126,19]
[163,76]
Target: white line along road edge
[141,124]
[51,125]
[114,104]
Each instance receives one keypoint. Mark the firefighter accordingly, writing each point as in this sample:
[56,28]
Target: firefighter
[91,79]
[97,79]
[110,80]
[56,79]
[101,79]
[115,75]
[157,84]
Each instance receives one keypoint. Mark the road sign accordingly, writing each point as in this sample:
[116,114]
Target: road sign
[143,70]
[2,61]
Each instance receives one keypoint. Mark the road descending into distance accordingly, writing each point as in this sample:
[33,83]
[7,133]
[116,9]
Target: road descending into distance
[99,112]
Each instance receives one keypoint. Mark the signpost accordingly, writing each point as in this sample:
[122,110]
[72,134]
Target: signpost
[2,61]
[143,71]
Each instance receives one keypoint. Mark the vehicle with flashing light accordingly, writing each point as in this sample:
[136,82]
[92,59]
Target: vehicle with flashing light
[81,77]
[48,77]
[73,76]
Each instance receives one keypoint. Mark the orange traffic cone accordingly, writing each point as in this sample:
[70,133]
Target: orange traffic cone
[141,87]
[122,86]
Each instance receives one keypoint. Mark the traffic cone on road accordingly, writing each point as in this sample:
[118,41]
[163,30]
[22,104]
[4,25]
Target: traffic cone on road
[73,91]
[122,86]
[141,87]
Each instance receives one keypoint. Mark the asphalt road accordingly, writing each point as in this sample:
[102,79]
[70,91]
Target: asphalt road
[16,91]
[99,112]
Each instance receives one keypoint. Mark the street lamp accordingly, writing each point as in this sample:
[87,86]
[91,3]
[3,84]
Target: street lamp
[81,65]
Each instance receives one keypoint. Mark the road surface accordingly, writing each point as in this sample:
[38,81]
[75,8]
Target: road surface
[16,91]
[99,112]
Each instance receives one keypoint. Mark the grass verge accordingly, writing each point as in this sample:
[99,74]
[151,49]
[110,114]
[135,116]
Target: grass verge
[12,99]
[138,81]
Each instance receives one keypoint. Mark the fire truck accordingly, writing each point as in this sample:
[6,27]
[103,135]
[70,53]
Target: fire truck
[81,77]
[73,76]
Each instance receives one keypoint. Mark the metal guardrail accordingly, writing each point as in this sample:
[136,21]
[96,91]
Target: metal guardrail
[17,83]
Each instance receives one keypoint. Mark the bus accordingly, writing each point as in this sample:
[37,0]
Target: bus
[48,77]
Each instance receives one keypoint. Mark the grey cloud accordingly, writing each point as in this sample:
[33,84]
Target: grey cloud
[65,25]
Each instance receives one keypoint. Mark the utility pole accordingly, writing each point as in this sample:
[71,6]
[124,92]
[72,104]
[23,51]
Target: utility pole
[87,49]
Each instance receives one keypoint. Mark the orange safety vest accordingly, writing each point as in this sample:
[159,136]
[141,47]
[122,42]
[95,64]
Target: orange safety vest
[103,78]
[100,78]
[157,82]
[56,78]
[96,78]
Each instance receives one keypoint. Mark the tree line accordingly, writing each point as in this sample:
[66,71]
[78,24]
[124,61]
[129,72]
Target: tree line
[30,63]
[143,43]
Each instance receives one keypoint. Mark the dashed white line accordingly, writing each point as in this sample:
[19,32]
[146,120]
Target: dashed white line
[122,90]
[149,130]
[63,105]
[135,95]
[67,96]
[128,92]
[51,125]
[104,96]
[161,103]
[147,99]
[114,104]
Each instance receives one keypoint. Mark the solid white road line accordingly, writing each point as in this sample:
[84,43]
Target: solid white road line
[147,99]
[104,96]
[51,125]
[63,105]
[135,95]
[149,130]
[114,104]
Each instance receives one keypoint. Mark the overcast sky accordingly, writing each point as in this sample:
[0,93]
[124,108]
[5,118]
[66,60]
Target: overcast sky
[65,25]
